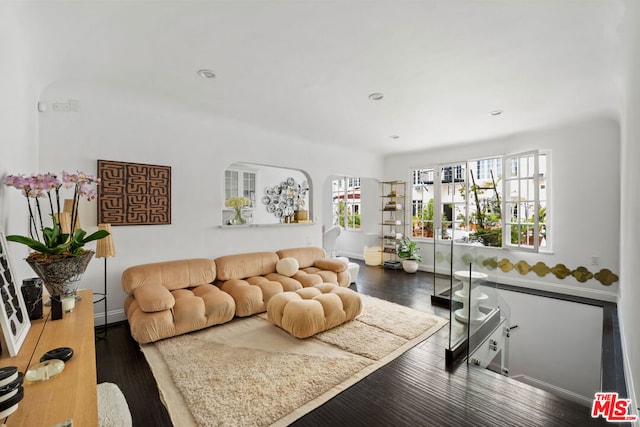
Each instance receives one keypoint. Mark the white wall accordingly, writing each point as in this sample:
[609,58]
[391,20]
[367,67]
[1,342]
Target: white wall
[557,343]
[630,201]
[115,124]
[584,163]
[18,131]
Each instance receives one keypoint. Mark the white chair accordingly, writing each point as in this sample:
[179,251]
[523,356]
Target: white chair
[329,240]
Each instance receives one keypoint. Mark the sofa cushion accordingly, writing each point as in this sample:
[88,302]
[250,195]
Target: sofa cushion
[288,283]
[332,264]
[308,277]
[241,266]
[306,256]
[172,275]
[251,295]
[287,266]
[152,298]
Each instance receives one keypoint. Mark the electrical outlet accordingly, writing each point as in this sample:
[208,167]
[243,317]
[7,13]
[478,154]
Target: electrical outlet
[595,260]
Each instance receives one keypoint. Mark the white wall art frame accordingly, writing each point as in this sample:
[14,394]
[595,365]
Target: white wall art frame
[14,318]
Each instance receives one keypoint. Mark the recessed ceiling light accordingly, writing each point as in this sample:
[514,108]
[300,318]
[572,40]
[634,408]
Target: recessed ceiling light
[376,96]
[496,112]
[206,74]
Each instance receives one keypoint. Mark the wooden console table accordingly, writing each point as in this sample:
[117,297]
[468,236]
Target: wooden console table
[71,395]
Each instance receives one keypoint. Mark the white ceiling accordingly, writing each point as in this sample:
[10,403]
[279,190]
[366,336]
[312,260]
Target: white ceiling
[306,68]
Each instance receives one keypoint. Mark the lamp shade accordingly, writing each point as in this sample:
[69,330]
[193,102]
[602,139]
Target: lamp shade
[105,247]
[69,208]
[64,220]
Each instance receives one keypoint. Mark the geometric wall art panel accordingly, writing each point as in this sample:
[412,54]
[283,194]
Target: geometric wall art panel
[133,193]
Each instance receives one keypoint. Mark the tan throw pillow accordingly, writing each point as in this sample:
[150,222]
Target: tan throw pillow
[287,266]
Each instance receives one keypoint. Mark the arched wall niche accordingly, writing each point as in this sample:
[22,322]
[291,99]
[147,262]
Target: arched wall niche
[276,195]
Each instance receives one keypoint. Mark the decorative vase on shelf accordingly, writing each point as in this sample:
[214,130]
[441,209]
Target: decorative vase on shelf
[238,219]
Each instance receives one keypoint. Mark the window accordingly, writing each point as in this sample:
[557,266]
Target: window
[231,184]
[453,203]
[239,183]
[525,201]
[345,196]
[484,201]
[472,201]
[489,168]
[422,203]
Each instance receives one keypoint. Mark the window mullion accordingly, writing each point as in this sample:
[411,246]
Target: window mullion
[536,202]
[437,198]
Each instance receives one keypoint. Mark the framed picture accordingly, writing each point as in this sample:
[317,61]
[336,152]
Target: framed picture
[133,193]
[14,318]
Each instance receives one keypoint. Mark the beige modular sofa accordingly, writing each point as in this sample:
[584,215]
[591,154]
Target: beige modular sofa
[252,279]
[170,298]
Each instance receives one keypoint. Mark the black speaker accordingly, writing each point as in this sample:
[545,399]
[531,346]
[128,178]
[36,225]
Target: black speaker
[32,294]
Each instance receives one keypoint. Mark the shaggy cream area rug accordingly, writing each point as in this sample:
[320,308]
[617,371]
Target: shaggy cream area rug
[249,372]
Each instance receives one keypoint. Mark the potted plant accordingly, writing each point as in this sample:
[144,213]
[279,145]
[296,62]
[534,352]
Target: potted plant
[409,252]
[58,256]
[237,203]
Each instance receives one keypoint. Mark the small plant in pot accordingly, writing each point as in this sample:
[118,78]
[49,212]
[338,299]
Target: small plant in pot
[409,252]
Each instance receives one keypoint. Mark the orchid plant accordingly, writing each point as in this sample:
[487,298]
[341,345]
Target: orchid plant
[53,241]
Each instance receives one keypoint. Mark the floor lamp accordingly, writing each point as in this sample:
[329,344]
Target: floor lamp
[104,249]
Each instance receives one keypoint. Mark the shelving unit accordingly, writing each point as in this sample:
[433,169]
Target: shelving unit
[393,223]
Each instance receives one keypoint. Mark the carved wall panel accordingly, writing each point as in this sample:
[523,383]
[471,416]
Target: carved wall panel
[133,193]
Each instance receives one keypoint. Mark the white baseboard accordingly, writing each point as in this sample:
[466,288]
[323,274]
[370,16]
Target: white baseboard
[113,316]
[558,391]
[351,255]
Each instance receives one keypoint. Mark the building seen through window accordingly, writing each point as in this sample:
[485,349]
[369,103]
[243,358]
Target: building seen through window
[473,201]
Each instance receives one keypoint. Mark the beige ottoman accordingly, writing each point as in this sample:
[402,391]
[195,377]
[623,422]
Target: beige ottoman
[307,311]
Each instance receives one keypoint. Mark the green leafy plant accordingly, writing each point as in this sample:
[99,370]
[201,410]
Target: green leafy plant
[408,249]
[58,243]
[54,241]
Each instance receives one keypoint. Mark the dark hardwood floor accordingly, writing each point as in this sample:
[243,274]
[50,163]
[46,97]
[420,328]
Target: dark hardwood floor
[413,390]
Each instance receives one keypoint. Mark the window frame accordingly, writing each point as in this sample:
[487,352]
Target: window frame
[347,190]
[441,174]
[421,220]
[532,229]
[241,185]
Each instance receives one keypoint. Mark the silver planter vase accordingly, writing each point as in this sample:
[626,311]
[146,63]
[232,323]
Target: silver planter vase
[60,276]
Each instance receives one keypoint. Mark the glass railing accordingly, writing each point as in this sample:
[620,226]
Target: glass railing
[465,280]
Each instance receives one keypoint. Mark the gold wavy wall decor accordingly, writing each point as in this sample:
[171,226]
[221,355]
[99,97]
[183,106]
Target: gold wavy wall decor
[561,271]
